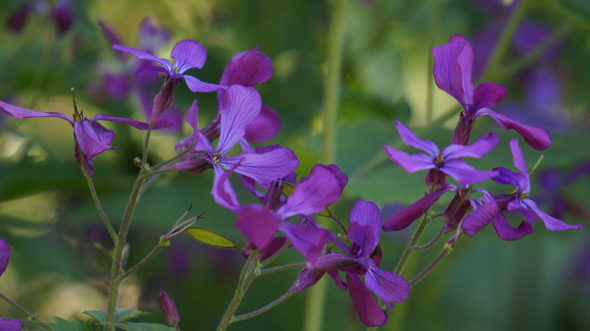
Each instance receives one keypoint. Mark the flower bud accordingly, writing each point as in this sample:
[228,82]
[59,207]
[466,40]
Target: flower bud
[168,308]
[163,99]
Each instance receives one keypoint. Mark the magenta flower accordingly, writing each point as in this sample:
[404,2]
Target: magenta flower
[363,258]
[443,163]
[322,188]
[452,73]
[491,207]
[91,137]
[14,324]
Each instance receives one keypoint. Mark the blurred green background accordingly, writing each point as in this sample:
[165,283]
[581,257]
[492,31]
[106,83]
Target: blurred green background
[58,267]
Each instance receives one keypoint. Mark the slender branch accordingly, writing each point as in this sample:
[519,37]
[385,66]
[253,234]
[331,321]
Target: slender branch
[174,158]
[283,267]
[263,309]
[239,294]
[430,243]
[445,251]
[146,145]
[276,254]
[26,312]
[103,216]
[140,263]
[339,222]
[156,172]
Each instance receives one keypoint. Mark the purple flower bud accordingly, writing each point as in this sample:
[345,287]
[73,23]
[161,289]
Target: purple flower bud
[163,99]
[168,308]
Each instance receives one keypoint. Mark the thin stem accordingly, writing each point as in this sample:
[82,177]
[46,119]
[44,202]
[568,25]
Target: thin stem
[140,263]
[146,145]
[103,216]
[282,268]
[431,266]
[174,158]
[276,254]
[239,294]
[263,309]
[339,222]
[431,242]
[409,249]
[26,312]
[156,172]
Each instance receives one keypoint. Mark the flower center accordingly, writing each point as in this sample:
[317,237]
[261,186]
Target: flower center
[523,195]
[439,161]
[217,160]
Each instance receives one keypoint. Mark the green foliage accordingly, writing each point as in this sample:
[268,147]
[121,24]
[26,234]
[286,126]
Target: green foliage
[141,326]
[120,314]
[64,325]
[211,238]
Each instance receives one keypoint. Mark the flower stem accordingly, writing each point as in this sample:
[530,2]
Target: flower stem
[103,216]
[409,249]
[241,288]
[430,243]
[26,312]
[283,267]
[263,309]
[146,145]
[140,263]
[445,251]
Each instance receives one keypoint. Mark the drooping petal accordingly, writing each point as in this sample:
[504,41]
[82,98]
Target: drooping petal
[488,95]
[247,69]
[188,54]
[222,190]
[20,113]
[551,223]
[537,138]
[146,56]
[410,163]
[478,149]
[264,168]
[306,240]
[312,196]
[404,218]
[196,85]
[464,173]
[239,108]
[89,139]
[264,127]
[366,305]
[410,139]
[518,158]
[452,69]
[506,232]
[4,255]
[365,213]
[258,224]
[387,285]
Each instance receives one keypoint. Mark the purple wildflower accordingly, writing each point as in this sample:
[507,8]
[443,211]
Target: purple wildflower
[443,163]
[61,13]
[91,137]
[239,106]
[363,258]
[452,73]
[491,207]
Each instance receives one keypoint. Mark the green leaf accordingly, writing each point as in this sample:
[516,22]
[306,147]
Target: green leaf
[211,238]
[141,326]
[64,325]
[120,314]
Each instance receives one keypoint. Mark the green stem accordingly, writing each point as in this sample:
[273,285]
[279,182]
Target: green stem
[239,294]
[140,263]
[431,242]
[146,145]
[276,254]
[26,312]
[103,216]
[410,248]
[152,173]
[283,267]
[431,266]
[263,309]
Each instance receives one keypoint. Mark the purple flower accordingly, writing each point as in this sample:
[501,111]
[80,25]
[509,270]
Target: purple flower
[239,106]
[14,324]
[452,73]
[491,207]
[363,258]
[443,163]
[322,188]
[62,14]
[91,137]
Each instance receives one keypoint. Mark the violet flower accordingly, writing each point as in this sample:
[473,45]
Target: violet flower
[491,207]
[452,73]
[60,12]
[322,188]
[91,137]
[14,324]
[363,258]
[239,106]
[443,163]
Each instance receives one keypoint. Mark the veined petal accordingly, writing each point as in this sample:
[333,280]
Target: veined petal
[507,177]
[488,95]
[308,241]
[452,69]
[264,168]
[20,113]
[90,141]
[222,190]
[258,224]
[537,138]
[365,213]
[410,139]
[478,149]
[551,223]
[247,69]
[369,311]
[322,189]
[264,127]
[479,217]
[364,237]
[4,255]
[518,158]
[506,232]
[464,173]
[404,218]
[196,85]
[146,56]
[188,54]
[387,285]
[410,163]
[239,108]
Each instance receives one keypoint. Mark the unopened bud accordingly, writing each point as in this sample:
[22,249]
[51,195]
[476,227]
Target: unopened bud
[168,308]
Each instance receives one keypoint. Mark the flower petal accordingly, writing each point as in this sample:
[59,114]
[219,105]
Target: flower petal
[410,163]
[264,127]
[537,138]
[239,108]
[308,241]
[4,255]
[478,149]
[196,85]
[92,138]
[452,69]
[146,56]
[551,223]
[387,285]
[188,54]
[9,325]
[305,279]
[266,167]
[20,113]
[223,192]
[464,173]
[258,224]
[488,95]
[518,158]
[366,305]
[367,215]
[410,139]
[247,69]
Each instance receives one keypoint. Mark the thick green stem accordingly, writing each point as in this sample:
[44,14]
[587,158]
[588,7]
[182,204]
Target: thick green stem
[26,312]
[240,291]
[103,216]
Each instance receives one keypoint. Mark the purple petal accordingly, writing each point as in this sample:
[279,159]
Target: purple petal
[410,139]
[239,107]
[110,34]
[247,69]
[506,232]
[362,236]
[404,218]
[464,173]
[150,37]
[551,223]
[308,241]
[336,277]
[410,163]
[335,262]
[222,190]
[264,127]
[92,138]
[196,85]
[322,189]
[537,138]
[518,158]
[146,56]
[10,325]
[507,177]
[490,212]
[264,168]
[365,214]
[488,95]
[4,255]
[369,311]
[136,124]
[188,54]
[387,285]
[258,224]
[478,149]
[452,69]
[306,278]
[20,113]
